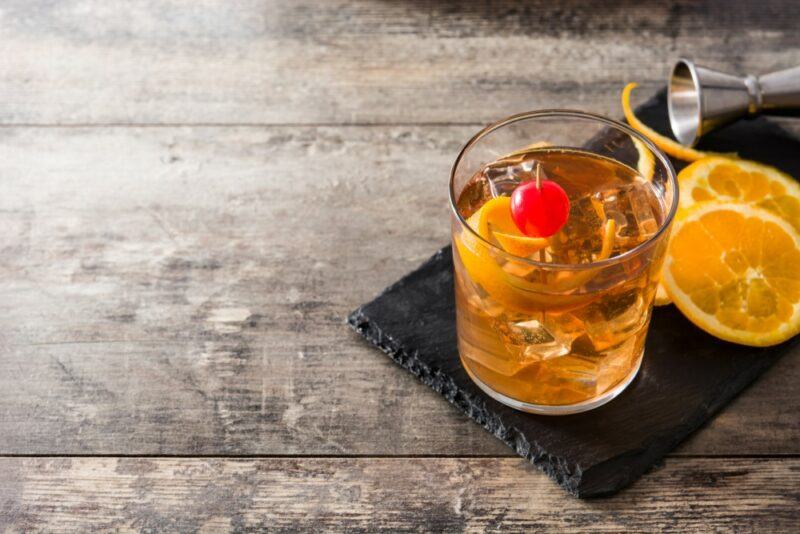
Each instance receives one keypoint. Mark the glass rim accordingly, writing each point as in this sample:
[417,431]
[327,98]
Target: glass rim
[569,113]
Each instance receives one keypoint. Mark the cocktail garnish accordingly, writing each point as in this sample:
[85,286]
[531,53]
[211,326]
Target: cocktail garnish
[673,148]
[539,207]
[731,268]
[647,162]
[742,181]
[721,180]
[496,225]
[609,229]
[519,245]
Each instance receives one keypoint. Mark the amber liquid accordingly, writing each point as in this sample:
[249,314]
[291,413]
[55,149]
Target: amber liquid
[572,327]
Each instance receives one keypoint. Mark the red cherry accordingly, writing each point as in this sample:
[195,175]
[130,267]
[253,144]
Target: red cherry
[539,211]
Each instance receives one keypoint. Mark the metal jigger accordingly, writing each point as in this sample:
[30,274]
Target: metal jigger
[702,99]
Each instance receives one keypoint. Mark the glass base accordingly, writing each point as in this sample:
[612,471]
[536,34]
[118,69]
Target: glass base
[560,409]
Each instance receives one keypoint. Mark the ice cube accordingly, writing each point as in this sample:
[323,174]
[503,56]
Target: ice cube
[532,333]
[474,195]
[504,175]
[573,374]
[615,365]
[631,207]
[478,299]
[641,197]
[485,305]
[539,340]
[613,319]
[502,362]
[582,236]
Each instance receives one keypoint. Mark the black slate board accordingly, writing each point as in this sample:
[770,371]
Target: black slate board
[686,375]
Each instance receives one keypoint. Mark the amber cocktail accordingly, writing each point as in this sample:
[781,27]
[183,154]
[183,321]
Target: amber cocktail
[552,318]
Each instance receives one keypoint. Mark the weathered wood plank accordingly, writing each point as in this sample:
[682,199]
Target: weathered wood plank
[183,290]
[368,494]
[256,61]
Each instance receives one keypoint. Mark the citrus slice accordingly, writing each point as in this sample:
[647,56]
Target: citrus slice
[519,245]
[726,180]
[496,225]
[734,271]
[673,148]
[495,212]
[482,263]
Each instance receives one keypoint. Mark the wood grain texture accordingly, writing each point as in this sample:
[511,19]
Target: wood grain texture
[271,61]
[395,494]
[160,294]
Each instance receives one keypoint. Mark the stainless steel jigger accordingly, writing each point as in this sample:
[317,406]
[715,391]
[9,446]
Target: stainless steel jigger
[702,99]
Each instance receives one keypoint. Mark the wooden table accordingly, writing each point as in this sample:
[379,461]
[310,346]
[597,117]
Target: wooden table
[194,194]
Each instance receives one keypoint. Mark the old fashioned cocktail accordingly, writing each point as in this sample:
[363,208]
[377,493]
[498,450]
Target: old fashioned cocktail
[557,251]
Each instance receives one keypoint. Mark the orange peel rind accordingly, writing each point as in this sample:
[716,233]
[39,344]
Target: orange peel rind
[670,147]
[647,162]
[609,235]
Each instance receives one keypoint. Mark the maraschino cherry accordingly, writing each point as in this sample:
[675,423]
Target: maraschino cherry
[539,208]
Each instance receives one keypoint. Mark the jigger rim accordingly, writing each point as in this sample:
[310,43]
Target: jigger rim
[685,136]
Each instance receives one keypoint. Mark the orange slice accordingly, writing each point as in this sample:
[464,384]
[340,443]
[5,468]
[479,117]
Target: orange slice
[720,179]
[482,263]
[673,148]
[734,271]
[518,245]
[497,225]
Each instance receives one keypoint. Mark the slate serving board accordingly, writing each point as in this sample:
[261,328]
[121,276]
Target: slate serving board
[686,375]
